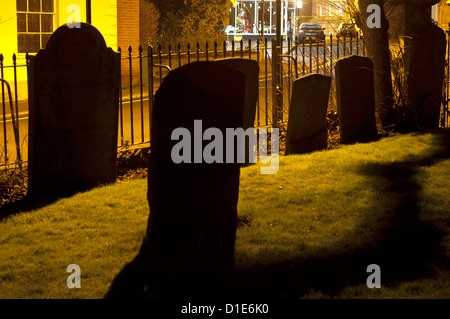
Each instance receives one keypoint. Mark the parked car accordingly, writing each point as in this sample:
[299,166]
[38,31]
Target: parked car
[313,31]
[348,29]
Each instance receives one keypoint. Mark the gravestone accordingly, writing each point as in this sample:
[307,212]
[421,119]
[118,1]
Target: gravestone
[193,206]
[426,77]
[355,99]
[74,94]
[250,69]
[307,125]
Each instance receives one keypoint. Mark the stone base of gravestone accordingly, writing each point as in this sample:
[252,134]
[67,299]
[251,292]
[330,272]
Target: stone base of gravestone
[250,69]
[426,76]
[355,99]
[189,247]
[74,95]
[307,126]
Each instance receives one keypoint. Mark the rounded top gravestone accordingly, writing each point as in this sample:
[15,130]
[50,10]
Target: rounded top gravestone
[355,95]
[74,94]
[307,126]
[77,38]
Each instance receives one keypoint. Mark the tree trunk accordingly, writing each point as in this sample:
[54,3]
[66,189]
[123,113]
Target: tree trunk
[377,49]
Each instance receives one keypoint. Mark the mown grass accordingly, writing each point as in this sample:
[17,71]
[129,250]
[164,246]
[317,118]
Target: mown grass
[310,230]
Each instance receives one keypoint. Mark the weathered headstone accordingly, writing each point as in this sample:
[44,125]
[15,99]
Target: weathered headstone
[74,93]
[307,125]
[355,99]
[426,77]
[193,206]
[250,68]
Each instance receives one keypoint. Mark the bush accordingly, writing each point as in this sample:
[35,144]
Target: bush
[13,185]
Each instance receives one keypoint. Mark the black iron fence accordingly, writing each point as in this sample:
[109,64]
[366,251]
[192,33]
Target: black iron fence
[445,112]
[144,71]
[13,136]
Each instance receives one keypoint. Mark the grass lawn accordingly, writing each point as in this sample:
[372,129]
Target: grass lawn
[308,231]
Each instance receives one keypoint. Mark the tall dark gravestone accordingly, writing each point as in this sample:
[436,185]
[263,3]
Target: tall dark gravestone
[426,75]
[73,118]
[307,125]
[355,95]
[193,206]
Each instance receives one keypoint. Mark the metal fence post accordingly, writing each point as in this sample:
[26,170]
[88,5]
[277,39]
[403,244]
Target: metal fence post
[189,52]
[16,96]
[150,89]
[131,94]
[179,54]
[331,54]
[120,101]
[242,48]
[266,81]
[303,57]
[4,110]
[160,62]
[357,44]
[224,49]
[310,55]
[258,60]
[169,47]
[142,94]
[198,51]
[337,46]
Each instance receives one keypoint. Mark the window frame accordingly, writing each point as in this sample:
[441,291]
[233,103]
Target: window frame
[43,35]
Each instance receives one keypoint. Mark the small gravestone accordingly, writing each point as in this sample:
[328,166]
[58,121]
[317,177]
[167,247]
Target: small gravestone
[307,125]
[193,206]
[426,77]
[356,99]
[74,94]
[250,69]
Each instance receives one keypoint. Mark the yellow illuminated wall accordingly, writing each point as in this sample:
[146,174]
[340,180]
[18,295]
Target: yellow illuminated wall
[103,17]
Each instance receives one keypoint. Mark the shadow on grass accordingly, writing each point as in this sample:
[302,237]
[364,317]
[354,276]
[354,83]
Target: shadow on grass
[406,247]
[30,203]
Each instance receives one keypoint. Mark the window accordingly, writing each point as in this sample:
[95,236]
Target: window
[34,24]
